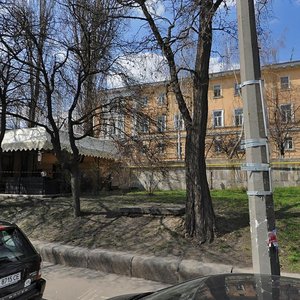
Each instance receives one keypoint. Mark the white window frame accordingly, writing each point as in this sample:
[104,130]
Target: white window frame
[239,117]
[236,88]
[162,123]
[144,101]
[288,144]
[217,91]
[284,85]
[120,125]
[178,121]
[161,148]
[144,149]
[217,147]
[179,150]
[161,99]
[219,120]
[284,116]
[144,125]
[115,126]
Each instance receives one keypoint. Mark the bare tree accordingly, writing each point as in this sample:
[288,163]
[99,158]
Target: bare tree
[10,84]
[39,14]
[226,143]
[92,34]
[192,24]
[145,151]
[63,71]
[282,113]
[183,32]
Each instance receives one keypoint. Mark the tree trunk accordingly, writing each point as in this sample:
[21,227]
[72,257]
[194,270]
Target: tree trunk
[75,186]
[200,217]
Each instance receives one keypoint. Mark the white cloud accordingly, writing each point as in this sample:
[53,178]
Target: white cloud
[150,67]
[229,3]
[217,65]
[297,2]
[139,68]
[155,7]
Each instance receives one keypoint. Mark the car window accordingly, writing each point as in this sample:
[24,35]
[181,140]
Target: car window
[13,245]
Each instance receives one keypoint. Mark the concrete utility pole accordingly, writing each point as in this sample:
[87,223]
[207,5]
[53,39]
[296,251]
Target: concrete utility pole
[261,208]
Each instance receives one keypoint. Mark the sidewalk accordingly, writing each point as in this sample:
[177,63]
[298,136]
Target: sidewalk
[162,269]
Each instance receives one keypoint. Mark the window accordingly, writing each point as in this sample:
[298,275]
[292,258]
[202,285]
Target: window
[161,99]
[236,89]
[217,90]
[284,83]
[218,118]
[120,126]
[218,145]
[238,117]
[286,113]
[144,149]
[144,125]
[134,124]
[144,101]
[240,287]
[14,245]
[179,150]
[161,148]
[115,126]
[288,143]
[161,123]
[178,122]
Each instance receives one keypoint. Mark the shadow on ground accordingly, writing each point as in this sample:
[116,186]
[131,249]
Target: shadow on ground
[102,226]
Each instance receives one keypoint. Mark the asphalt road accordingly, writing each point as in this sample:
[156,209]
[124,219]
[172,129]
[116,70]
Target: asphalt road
[66,283]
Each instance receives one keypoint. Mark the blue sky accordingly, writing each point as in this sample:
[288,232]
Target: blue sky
[283,23]
[285,26]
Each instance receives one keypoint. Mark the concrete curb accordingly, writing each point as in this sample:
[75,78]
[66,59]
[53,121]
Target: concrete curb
[162,269]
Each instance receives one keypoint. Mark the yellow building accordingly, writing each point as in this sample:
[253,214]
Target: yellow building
[155,121]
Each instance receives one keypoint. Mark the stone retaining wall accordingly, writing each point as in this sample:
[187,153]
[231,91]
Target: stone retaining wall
[220,176]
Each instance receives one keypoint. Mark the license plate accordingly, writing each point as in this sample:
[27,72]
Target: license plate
[9,280]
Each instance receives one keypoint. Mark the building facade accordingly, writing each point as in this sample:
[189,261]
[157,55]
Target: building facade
[155,123]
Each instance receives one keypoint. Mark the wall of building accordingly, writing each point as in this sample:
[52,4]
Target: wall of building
[219,176]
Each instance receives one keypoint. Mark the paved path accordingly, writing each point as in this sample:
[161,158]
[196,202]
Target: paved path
[67,283]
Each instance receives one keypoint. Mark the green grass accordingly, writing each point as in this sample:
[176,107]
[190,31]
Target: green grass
[176,196]
[232,205]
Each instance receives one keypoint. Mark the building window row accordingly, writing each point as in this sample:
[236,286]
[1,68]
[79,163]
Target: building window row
[286,116]
[218,118]
[217,88]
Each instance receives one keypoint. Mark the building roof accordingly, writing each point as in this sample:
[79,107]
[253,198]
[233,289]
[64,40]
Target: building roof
[212,75]
[37,138]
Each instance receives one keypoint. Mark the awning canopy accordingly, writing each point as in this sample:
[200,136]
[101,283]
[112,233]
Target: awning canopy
[37,138]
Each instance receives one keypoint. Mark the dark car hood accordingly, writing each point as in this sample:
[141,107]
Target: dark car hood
[228,287]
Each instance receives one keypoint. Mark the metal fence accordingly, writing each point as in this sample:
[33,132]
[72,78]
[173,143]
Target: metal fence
[34,183]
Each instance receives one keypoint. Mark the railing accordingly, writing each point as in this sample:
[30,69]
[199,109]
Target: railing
[32,183]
